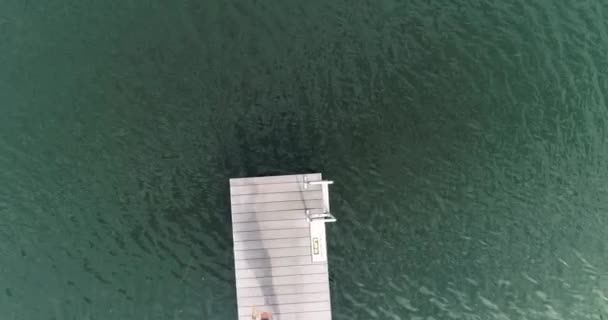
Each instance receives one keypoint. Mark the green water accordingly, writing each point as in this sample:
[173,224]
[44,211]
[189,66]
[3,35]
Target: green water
[468,141]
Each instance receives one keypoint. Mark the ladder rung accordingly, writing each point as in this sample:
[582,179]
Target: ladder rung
[325,217]
[319,215]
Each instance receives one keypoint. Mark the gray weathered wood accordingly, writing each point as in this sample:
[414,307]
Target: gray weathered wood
[281,280]
[281,271]
[272,248]
[291,307]
[271,253]
[316,315]
[273,215]
[277,206]
[270,234]
[271,263]
[280,290]
[285,299]
[270,225]
[274,179]
[274,197]
[270,244]
[271,188]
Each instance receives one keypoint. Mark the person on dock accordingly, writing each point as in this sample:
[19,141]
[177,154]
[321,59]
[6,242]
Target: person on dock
[256,315]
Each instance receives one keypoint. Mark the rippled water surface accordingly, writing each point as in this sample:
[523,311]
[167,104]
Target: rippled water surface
[468,141]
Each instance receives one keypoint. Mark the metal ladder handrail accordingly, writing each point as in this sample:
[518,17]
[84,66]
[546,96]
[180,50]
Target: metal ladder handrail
[326,216]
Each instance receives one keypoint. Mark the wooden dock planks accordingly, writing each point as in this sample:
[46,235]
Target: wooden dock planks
[272,248]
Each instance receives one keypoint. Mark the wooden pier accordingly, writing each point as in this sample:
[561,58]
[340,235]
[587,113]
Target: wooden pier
[280,255]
